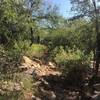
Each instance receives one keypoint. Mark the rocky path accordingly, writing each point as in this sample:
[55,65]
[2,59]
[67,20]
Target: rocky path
[51,84]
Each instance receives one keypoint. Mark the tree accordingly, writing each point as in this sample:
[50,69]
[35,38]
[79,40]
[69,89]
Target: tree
[20,19]
[89,8]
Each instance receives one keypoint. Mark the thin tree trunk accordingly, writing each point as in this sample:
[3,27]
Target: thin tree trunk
[97,39]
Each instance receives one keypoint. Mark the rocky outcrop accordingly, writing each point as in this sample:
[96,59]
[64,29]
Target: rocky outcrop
[36,67]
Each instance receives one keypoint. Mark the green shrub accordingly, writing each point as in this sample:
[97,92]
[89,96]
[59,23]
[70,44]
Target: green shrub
[70,58]
[36,50]
[9,61]
[22,46]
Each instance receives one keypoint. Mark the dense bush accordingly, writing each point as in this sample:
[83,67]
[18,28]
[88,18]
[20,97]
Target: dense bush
[22,46]
[9,60]
[68,59]
[35,50]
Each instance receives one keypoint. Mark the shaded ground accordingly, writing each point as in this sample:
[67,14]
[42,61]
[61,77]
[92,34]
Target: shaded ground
[49,84]
[53,86]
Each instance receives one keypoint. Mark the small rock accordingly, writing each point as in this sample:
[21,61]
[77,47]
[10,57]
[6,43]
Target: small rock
[27,60]
[29,71]
[17,87]
[35,98]
[4,87]
[51,65]
[2,92]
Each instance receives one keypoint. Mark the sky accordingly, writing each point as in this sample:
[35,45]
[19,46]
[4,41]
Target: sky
[64,6]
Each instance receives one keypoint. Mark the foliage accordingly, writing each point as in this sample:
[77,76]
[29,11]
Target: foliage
[9,61]
[20,20]
[36,50]
[22,46]
[69,43]
[70,58]
[84,7]
[77,34]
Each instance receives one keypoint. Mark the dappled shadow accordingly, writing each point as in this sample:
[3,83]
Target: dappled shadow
[54,87]
[70,87]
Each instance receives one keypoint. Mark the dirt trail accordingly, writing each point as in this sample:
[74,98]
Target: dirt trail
[51,84]
[37,67]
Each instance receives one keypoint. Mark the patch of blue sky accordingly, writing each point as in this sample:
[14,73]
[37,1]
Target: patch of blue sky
[64,7]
